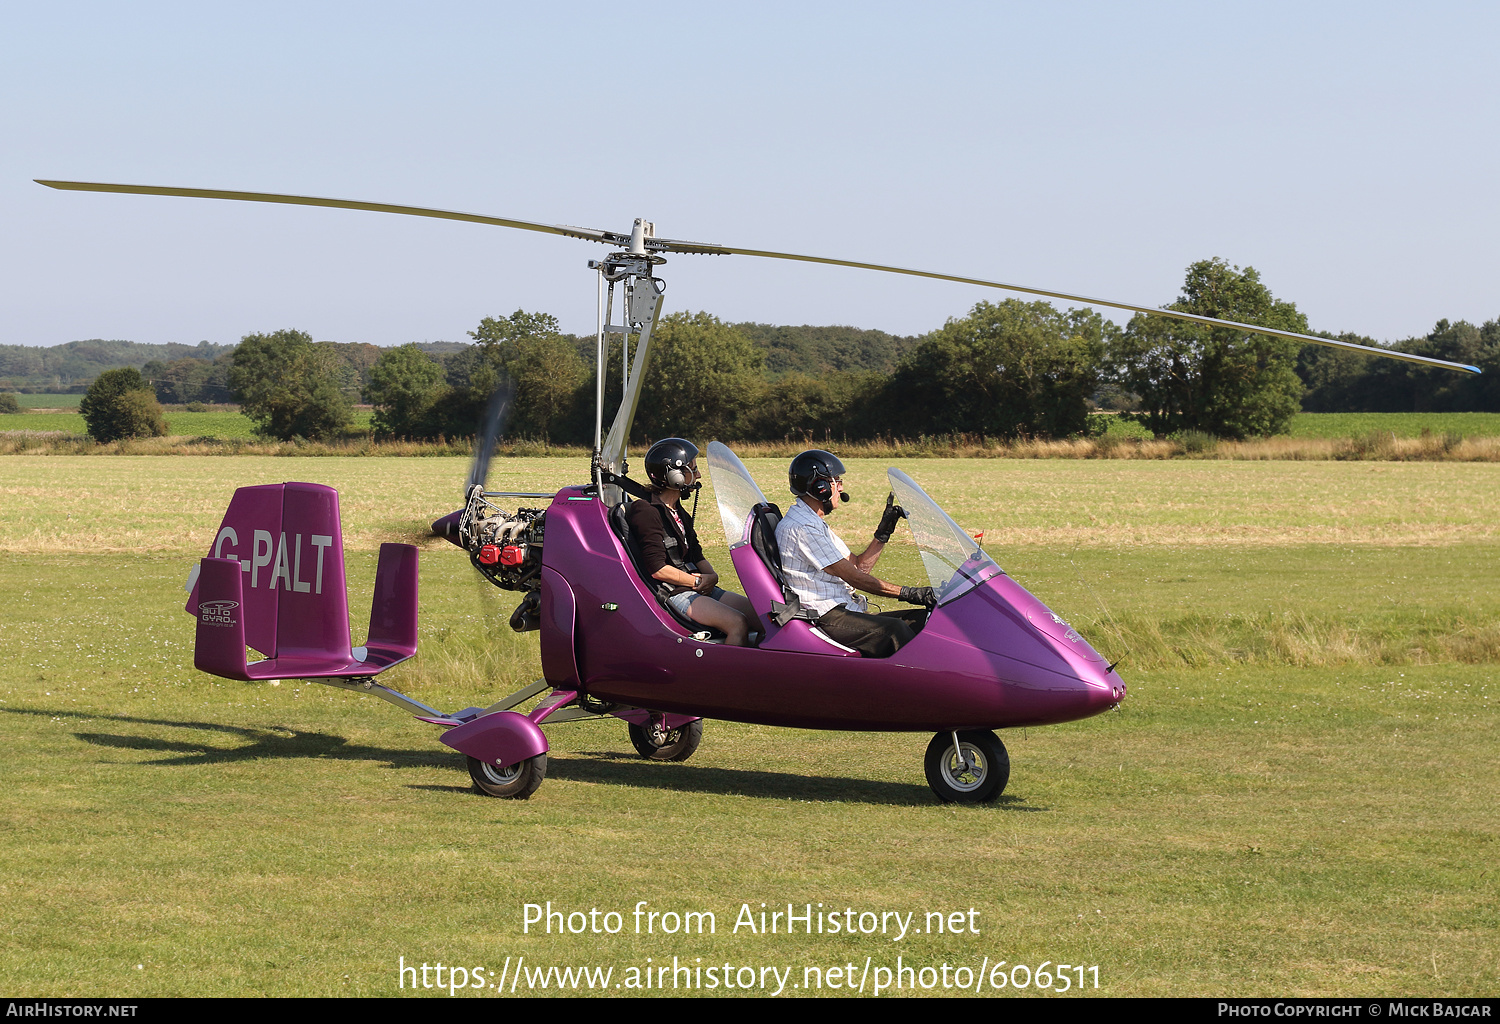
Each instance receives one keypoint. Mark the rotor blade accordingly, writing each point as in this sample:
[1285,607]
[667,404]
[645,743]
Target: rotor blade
[1087,300]
[706,249]
[495,417]
[588,234]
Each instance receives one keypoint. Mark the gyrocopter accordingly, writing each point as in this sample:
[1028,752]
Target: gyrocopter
[990,655]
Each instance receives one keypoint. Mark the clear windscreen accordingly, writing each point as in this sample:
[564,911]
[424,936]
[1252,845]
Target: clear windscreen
[955,563]
[735,491]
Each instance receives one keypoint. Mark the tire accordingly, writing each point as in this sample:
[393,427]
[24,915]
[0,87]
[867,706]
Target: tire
[667,745]
[954,781]
[516,782]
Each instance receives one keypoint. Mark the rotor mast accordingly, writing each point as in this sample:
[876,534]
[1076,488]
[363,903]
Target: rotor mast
[640,308]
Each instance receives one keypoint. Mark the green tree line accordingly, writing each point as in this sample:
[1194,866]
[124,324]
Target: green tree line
[1006,369]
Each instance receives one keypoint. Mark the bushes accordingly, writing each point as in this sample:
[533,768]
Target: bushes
[289,387]
[9,403]
[121,404]
[1214,380]
[1195,442]
[1008,369]
[416,397]
[405,386]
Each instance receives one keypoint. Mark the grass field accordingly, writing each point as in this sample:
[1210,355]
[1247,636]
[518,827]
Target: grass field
[1298,797]
[219,423]
[1402,424]
[68,401]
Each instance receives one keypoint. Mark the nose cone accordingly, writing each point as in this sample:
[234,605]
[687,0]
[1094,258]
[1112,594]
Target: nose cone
[1111,691]
[1093,685]
[447,528]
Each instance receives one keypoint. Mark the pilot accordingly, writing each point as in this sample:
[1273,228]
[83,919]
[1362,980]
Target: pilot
[819,568]
[669,549]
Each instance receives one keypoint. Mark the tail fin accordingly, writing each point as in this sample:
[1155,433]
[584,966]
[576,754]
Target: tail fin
[272,582]
[393,611]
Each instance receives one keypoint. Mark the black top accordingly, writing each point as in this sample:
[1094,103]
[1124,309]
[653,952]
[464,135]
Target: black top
[661,542]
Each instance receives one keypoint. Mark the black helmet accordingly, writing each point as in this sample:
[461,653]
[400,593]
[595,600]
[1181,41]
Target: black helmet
[667,463]
[812,473]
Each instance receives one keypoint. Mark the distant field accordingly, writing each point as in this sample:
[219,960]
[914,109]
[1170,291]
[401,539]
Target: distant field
[191,424]
[1402,424]
[69,422]
[48,401]
[1338,425]
[1332,425]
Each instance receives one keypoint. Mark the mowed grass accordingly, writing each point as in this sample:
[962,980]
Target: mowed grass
[1244,825]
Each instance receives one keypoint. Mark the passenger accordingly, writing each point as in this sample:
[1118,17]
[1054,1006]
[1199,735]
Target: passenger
[670,553]
[819,569]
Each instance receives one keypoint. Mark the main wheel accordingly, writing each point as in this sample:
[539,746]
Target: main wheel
[515,782]
[974,772]
[660,744]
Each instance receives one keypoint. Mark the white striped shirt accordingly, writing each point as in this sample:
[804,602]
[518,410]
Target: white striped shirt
[807,545]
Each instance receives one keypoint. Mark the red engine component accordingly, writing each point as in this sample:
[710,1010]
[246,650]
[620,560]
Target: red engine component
[512,555]
[489,554]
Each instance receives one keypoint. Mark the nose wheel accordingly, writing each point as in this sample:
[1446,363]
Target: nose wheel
[967,767]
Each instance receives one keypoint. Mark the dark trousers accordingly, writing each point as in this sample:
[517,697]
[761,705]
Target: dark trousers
[874,636]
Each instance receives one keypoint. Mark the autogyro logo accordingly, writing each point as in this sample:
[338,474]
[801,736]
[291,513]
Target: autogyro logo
[1072,636]
[217,613]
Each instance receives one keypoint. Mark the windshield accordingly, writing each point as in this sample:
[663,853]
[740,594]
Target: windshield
[955,563]
[735,491]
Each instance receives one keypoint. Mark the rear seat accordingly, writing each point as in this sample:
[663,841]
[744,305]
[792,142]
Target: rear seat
[620,524]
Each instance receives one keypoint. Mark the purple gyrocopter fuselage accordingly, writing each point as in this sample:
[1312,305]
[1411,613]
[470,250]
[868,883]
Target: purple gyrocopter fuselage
[991,657]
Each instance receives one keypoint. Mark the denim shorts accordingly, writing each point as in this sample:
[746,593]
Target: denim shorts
[683,601]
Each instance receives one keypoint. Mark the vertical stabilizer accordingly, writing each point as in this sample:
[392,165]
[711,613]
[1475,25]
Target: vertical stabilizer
[312,613]
[248,532]
[218,605]
[393,612]
[290,550]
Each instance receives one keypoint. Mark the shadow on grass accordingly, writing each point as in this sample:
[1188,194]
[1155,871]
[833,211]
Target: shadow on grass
[266,742]
[621,770]
[596,766]
[610,768]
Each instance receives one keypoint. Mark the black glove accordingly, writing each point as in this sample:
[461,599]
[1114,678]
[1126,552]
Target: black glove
[893,514]
[925,596]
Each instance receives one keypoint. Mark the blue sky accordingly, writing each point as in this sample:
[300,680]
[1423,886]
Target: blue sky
[1347,151]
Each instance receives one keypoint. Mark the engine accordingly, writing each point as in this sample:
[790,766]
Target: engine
[506,547]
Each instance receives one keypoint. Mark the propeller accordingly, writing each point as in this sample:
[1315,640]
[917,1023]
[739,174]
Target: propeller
[639,242]
[496,415]
[491,426]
